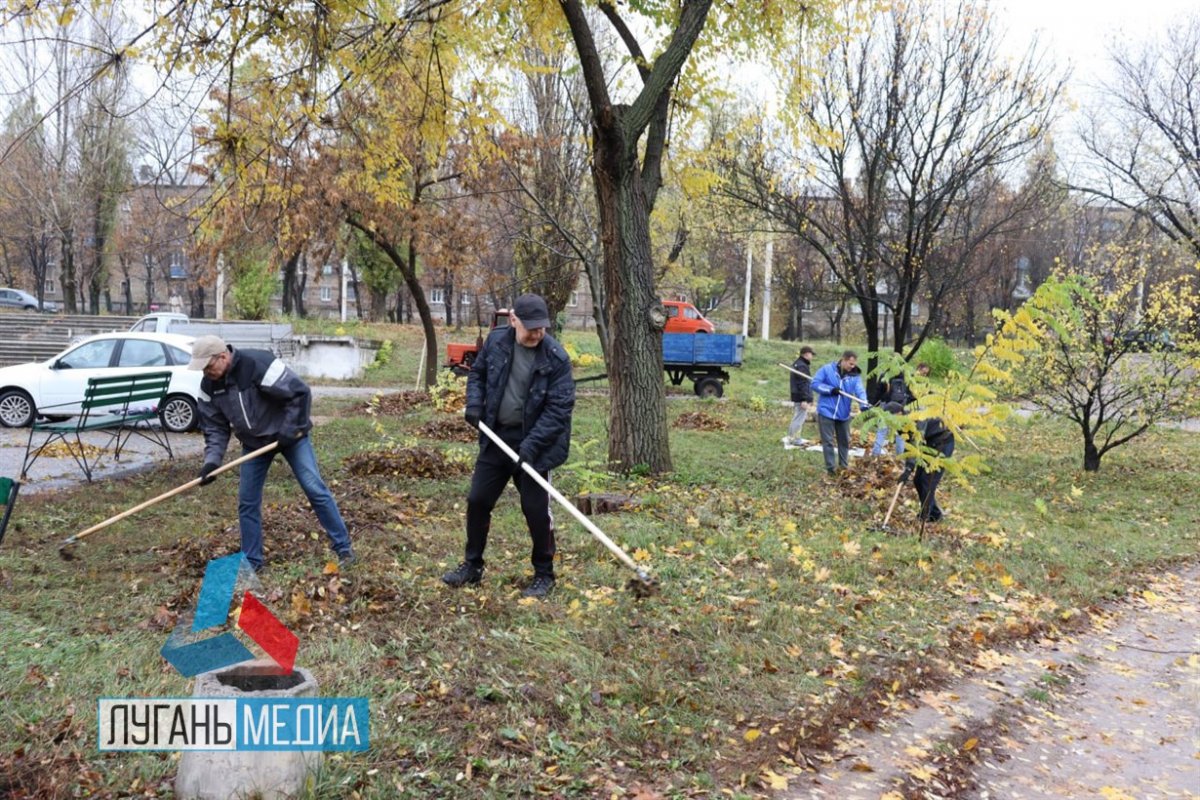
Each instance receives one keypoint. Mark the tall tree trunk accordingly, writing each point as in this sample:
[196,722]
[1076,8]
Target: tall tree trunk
[1091,454]
[637,411]
[289,281]
[68,271]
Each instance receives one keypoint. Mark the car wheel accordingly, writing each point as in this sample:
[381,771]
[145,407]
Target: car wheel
[16,408]
[31,308]
[178,413]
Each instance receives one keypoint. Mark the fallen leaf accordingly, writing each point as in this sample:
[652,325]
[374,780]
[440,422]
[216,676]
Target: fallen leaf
[752,734]
[969,744]
[331,568]
[774,780]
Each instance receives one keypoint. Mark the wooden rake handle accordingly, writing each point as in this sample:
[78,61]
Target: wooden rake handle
[177,490]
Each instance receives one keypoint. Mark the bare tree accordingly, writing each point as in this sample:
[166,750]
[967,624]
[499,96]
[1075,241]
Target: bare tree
[1144,135]
[909,118]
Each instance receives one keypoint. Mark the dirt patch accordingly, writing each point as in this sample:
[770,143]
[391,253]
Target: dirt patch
[408,462]
[699,421]
[448,429]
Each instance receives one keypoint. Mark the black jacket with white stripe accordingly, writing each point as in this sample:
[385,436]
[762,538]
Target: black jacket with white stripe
[260,399]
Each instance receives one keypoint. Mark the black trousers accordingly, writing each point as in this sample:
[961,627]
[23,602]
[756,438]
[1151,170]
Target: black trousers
[493,470]
[927,483]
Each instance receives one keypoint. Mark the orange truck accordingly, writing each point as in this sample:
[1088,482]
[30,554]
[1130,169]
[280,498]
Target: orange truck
[460,357]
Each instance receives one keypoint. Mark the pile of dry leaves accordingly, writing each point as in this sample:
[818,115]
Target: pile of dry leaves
[448,429]
[699,421]
[409,462]
[393,405]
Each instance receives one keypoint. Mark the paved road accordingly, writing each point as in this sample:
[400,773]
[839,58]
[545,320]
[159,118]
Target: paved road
[48,474]
[1112,714]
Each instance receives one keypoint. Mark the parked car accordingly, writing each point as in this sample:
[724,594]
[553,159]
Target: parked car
[16,298]
[685,318]
[55,387]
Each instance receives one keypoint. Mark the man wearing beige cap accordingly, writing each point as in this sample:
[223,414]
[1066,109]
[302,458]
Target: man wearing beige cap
[261,400]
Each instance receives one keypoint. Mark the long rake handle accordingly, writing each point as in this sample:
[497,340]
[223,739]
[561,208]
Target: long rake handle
[810,377]
[896,496]
[569,506]
[177,490]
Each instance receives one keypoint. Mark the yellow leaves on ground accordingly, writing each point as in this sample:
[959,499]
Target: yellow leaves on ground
[851,548]
[331,568]
[641,555]
[751,735]
[1111,793]
[970,744]
[773,780]
[923,774]
[1151,598]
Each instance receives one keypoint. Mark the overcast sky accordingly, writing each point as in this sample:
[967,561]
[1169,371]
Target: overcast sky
[1080,32]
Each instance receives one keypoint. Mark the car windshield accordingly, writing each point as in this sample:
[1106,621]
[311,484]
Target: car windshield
[90,355]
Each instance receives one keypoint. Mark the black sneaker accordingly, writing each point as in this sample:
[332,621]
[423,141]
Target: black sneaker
[539,587]
[347,559]
[462,575]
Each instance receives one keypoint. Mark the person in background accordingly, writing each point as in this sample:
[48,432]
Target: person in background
[839,387]
[897,392]
[258,398]
[801,395]
[938,437]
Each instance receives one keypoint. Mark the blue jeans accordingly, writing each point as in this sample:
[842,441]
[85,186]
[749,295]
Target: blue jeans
[881,436]
[303,461]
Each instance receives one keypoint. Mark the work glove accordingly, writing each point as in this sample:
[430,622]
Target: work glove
[834,390]
[524,457]
[289,436]
[205,477]
[472,417]
[906,475]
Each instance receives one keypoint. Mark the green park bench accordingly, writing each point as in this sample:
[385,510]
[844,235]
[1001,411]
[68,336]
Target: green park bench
[120,406]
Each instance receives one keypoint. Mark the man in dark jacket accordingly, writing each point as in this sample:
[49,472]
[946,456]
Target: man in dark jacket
[937,436]
[897,392]
[261,400]
[520,386]
[801,395]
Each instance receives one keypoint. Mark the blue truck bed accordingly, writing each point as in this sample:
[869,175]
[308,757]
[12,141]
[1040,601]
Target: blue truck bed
[703,349]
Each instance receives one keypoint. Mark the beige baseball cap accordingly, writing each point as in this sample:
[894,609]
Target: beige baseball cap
[203,349]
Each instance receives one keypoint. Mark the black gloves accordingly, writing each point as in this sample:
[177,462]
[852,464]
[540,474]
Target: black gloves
[472,417]
[906,476]
[205,477]
[289,437]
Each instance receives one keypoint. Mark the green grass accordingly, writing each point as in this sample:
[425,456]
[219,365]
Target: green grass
[781,612]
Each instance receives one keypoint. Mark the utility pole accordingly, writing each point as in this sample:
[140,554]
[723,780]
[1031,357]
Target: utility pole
[766,326]
[220,286]
[345,286]
[749,279]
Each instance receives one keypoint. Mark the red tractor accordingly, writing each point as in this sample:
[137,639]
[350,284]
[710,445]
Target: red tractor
[460,357]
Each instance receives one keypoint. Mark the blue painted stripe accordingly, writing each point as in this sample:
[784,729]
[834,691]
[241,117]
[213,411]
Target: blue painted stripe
[216,593]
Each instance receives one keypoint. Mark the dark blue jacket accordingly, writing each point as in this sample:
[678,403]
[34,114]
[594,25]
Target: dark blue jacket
[260,399]
[548,405]
[801,386]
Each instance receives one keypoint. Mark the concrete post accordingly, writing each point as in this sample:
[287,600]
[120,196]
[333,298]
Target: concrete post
[220,286]
[766,326]
[345,286]
[749,280]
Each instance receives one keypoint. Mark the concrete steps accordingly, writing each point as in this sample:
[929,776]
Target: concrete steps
[29,336]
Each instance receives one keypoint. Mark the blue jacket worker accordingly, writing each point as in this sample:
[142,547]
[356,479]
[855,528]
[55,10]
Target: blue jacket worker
[258,398]
[836,385]
[801,394]
[520,386]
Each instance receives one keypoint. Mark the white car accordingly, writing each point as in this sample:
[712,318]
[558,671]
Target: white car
[49,388]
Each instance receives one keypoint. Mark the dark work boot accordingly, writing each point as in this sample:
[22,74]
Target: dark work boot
[462,575]
[539,587]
